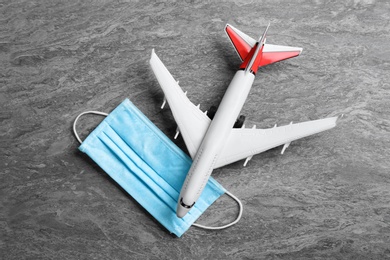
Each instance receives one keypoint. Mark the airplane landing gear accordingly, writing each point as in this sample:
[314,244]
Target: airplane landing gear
[239,122]
[211,112]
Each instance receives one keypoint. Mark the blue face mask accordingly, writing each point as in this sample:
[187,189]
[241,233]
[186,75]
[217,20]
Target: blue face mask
[145,163]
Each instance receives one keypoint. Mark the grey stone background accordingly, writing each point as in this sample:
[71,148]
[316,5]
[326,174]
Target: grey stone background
[327,197]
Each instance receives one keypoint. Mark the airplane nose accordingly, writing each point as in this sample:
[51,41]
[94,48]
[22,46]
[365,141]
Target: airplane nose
[181,211]
[182,208]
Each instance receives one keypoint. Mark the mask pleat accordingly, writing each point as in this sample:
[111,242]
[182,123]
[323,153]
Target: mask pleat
[145,138]
[140,168]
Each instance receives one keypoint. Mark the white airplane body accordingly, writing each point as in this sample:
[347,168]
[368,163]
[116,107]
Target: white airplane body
[215,143]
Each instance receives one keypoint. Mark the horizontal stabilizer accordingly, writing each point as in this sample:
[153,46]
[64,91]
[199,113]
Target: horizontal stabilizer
[274,53]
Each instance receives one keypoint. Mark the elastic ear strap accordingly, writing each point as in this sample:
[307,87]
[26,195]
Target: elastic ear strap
[77,118]
[227,225]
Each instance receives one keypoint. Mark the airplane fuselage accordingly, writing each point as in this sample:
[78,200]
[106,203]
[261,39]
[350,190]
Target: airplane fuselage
[213,143]
[214,140]
[218,132]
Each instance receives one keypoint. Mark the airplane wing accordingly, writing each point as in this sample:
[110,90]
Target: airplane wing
[271,53]
[191,121]
[244,142]
[274,53]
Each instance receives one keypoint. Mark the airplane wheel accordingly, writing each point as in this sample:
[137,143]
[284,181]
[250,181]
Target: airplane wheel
[211,112]
[239,122]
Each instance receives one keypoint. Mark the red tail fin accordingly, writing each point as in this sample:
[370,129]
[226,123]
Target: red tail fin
[242,46]
[265,54]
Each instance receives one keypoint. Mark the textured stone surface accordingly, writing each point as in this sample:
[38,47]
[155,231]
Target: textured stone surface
[328,197]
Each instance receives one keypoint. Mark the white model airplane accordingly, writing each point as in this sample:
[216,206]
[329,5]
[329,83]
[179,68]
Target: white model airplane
[213,143]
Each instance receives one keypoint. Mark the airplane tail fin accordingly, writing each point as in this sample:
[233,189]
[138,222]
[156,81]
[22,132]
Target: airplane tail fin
[245,47]
[241,42]
[263,37]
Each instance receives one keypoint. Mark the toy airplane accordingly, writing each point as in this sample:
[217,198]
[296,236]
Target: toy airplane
[214,142]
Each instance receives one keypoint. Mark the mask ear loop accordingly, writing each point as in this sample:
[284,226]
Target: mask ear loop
[77,118]
[227,225]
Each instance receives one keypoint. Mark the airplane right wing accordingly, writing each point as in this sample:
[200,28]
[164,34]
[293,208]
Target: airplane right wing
[245,142]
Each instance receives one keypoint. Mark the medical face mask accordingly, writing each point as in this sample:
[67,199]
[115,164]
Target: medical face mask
[147,165]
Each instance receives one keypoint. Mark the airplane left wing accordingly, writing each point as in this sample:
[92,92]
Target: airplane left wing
[191,121]
[245,142]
